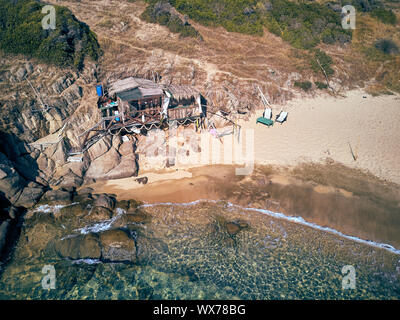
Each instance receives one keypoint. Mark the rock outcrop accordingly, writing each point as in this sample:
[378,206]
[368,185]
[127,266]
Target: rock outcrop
[4,226]
[79,247]
[117,246]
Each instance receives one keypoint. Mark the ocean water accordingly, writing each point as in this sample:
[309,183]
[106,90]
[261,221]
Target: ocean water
[212,250]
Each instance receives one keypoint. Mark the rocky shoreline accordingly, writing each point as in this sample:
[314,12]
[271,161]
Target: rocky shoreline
[84,226]
[61,211]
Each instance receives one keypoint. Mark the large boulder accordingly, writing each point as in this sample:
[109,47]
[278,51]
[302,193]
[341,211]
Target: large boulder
[105,201]
[136,216]
[79,247]
[68,180]
[102,165]
[117,246]
[99,214]
[127,168]
[11,183]
[71,214]
[59,196]
[30,195]
[58,153]
[45,165]
[127,148]
[39,229]
[83,195]
[100,148]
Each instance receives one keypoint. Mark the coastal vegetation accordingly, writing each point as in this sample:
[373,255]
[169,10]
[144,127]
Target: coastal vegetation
[375,8]
[387,46]
[305,85]
[320,85]
[309,26]
[21,32]
[303,25]
[162,12]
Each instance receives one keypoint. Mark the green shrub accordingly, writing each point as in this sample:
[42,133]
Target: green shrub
[305,85]
[303,25]
[160,12]
[364,5]
[21,32]
[386,16]
[387,46]
[324,60]
[320,85]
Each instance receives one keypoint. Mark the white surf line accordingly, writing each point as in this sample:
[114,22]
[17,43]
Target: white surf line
[46,208]
[101,226]
[294,219]
[85,261]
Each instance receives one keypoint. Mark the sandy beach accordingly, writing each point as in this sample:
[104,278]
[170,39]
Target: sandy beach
[359,197]
[317,129]
[323,127]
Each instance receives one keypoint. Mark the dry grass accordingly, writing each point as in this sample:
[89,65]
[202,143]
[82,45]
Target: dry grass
[228,61]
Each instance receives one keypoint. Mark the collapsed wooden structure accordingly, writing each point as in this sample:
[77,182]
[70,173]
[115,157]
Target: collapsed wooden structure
[134,104]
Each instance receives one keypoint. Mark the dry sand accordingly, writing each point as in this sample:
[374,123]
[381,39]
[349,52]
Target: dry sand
[322,127]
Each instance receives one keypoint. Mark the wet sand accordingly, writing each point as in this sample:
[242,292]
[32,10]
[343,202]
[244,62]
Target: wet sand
[331,195]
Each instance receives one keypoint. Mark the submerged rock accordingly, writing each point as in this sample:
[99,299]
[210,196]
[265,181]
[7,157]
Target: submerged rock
[79,247]
[117,246]
[136,217]
[234,227]
[149,249]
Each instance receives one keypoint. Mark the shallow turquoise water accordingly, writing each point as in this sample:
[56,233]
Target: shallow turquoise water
[189,254]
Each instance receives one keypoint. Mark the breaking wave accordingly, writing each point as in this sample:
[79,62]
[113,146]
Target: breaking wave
[279,215]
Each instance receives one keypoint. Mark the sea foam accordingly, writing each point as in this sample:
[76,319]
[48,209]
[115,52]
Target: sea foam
[293,219]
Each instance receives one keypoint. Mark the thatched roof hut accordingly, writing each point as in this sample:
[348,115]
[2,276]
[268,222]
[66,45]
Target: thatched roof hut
[134,88]
[182,92]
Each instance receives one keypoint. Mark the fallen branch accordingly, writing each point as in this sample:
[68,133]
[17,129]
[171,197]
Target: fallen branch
[326,77]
